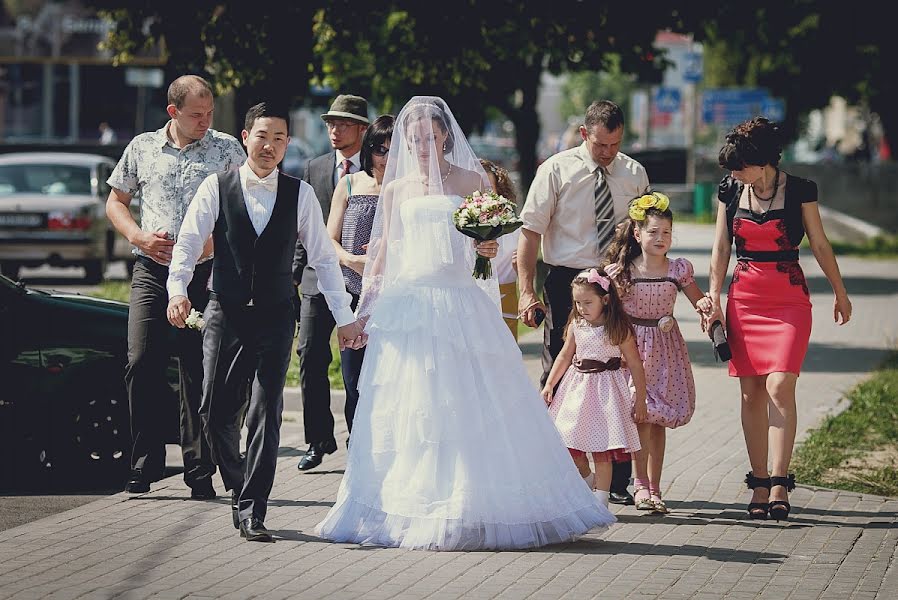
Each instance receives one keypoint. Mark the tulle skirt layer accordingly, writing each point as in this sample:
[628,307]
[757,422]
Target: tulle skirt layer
[452,447]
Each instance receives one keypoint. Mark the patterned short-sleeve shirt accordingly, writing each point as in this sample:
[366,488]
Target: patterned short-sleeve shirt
[165,177]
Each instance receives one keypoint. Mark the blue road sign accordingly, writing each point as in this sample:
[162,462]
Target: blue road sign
[731,106]
[667,99]
[693,67]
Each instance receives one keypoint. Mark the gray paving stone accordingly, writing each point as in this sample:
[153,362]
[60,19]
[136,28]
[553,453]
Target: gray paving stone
[838,544]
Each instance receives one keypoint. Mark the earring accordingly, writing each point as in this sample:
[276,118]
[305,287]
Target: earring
[444,146]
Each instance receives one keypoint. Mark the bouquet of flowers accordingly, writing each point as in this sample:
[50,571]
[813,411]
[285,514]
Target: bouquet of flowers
[195,319]
[485,216]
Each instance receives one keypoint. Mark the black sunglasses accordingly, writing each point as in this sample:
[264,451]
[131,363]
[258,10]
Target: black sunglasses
[379,150]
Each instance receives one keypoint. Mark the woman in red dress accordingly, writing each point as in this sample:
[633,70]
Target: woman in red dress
[766,213]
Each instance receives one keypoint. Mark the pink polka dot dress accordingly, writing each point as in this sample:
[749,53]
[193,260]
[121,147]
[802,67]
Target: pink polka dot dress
[592,411]
[670,386]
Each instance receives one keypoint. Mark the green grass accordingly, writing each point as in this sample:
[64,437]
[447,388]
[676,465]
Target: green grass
[855,449]
[333,371]
[114,290]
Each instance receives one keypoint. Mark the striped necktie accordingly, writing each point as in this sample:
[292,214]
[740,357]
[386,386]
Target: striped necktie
[604,210]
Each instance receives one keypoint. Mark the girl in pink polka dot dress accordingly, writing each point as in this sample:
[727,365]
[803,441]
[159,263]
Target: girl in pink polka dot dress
[594,409]
[649,282]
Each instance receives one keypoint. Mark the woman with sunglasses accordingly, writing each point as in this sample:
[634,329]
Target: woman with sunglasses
[349,225]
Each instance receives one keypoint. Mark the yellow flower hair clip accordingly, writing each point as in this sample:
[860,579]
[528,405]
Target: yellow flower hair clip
[655,200]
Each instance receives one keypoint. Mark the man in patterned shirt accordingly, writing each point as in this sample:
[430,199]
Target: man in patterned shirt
[163,169]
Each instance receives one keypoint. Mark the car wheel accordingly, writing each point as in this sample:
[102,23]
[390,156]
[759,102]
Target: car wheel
[93,433]
[10,269]
[93,272]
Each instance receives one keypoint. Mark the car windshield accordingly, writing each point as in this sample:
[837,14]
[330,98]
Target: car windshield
[44,179]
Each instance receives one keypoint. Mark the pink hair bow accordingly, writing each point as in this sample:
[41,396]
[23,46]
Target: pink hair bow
[592,276]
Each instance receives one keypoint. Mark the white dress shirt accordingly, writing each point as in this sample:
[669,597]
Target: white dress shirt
[356,166]
[259,197]
[560,205]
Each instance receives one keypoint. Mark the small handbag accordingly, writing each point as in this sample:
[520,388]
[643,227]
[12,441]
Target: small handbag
[719,340]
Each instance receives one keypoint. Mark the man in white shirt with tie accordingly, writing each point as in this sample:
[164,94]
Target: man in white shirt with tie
[255,215]
[574,203]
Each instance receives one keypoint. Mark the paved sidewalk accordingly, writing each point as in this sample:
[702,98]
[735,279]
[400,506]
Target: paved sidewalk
[838,545]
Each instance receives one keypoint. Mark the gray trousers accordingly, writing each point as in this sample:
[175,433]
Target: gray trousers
[151,343]
[246,346]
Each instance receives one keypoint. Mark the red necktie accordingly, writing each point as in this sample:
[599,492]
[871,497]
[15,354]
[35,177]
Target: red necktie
[346,165]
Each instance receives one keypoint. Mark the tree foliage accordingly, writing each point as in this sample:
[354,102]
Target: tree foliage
[259,53]
[479,53]
[802,50]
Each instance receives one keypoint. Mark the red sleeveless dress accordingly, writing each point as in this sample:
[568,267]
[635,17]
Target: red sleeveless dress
[768,305]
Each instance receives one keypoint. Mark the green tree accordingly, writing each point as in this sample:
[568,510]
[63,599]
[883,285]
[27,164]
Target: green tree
[803,51]
[259,54]
[479,53]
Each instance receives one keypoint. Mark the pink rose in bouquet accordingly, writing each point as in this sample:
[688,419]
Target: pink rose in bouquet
[485,216]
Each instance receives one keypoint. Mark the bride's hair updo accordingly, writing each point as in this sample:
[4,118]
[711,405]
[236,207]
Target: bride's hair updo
[753,143]
[435,112]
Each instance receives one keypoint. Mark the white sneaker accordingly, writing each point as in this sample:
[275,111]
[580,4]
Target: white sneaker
[589,479]
[601,496]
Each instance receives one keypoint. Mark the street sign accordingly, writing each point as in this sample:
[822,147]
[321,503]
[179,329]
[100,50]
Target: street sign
[693,67]
[733,105]
[144,77]
[667,99]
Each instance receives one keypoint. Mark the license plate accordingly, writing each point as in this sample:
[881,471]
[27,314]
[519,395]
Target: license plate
[22,220]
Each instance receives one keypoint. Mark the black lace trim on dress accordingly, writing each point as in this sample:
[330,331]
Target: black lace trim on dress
[796,275]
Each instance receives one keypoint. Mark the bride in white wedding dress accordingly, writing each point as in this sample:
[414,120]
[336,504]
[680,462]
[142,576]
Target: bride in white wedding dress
[452,447]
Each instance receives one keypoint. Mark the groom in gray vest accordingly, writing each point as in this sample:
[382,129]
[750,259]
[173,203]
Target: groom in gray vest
[256,215]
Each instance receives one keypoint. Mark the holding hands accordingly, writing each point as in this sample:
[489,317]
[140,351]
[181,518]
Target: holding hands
[353,336]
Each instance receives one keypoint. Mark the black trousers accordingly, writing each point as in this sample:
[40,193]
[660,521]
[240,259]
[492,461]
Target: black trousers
[246,346]
[316,324]
[351,367]
[149,349]
[557,295]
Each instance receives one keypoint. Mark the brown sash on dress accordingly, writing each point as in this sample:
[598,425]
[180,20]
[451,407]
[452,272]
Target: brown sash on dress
[588,365]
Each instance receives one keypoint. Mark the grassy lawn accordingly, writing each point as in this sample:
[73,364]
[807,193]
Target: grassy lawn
[857,450]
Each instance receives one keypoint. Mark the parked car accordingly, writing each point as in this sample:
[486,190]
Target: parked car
[53,211]
[297,155]
[63,406]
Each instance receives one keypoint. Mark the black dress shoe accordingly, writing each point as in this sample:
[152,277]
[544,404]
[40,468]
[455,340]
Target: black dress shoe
[254,530]
[315,454]
[624,497]
[202,491]
[137,483]
[235,506]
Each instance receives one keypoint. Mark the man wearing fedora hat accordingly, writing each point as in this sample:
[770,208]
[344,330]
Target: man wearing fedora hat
[346,122]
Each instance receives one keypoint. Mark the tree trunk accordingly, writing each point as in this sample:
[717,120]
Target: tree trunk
[526,126]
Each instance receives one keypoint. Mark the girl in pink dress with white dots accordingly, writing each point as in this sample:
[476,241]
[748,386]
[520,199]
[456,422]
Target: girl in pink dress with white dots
[594,409]
[649,283]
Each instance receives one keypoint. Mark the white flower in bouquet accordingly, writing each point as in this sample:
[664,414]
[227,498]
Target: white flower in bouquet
[195,319]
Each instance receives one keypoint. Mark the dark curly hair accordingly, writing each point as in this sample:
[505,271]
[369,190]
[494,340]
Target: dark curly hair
[753,143]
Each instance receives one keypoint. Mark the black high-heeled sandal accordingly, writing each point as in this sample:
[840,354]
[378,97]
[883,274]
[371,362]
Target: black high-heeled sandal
[757,510]
[779,509]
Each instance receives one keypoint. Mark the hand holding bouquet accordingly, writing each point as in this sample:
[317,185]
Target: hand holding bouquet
[485,216]
[195,319]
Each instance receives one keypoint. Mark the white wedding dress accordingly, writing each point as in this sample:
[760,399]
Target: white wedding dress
[452,447]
